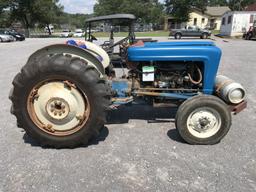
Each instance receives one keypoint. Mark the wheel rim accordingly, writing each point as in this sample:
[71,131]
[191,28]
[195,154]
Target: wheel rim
[204,122]
[58,107]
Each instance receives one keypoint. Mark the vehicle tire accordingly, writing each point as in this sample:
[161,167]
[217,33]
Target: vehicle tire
[249,36]
[205,36]
[203,120]
[1,40]
[60,101]
[177,36]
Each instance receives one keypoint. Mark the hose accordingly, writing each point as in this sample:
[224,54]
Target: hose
[200,77]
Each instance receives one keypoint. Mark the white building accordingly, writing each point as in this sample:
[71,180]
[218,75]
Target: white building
[235,23]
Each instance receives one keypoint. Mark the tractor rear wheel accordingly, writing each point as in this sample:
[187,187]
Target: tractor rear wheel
[203,120]
[60,101]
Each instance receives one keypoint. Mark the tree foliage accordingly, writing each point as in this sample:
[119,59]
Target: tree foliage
[150,11]
[218,3]
[239,5]
[180,9]
[31,11]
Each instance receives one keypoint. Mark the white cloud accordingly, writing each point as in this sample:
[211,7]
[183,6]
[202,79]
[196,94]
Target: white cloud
[78,6]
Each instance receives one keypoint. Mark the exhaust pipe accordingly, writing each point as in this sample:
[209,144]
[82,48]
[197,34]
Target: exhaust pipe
[228,90]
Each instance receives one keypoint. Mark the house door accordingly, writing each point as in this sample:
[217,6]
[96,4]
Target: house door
[212,24]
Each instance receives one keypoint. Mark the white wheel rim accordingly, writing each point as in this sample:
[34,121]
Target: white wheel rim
[58,108]
[204,122]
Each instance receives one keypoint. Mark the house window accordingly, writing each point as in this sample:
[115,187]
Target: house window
[195,21]
[229,19]
[223,21]
[203,20]
[251,19]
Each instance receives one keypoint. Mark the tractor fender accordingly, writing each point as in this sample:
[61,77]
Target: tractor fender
[95,49]
[71,50]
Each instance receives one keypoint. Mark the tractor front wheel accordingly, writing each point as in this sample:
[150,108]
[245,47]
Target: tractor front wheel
[203,120]
[60,101]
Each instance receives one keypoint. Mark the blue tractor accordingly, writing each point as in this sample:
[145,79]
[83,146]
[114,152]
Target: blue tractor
[62,95]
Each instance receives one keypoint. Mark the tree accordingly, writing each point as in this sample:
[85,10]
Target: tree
[3,5]
[47,12]
[180,9]
[30,12]
[239,5]
[217,3]
[150,11]
[234,5]
[4,15]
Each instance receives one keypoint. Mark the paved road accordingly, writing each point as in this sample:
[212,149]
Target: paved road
[132,153]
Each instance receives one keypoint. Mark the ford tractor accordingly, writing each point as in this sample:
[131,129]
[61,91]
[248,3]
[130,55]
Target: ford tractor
[62,95]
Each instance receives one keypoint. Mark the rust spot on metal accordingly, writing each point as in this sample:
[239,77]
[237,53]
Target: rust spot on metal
[48,127]
[34,95]
[81,118]
[69,84]
[219,86]
[238,108]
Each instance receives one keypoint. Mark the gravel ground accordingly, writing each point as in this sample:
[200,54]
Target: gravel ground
[133,153]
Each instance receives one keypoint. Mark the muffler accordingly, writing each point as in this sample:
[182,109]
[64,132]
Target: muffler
[229,90]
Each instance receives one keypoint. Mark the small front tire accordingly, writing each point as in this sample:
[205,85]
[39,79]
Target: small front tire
[203,120]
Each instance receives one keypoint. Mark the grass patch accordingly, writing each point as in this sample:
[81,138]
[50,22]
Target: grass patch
[138,34]
[215,32]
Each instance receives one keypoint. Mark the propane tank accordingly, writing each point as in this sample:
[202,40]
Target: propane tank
[229,90]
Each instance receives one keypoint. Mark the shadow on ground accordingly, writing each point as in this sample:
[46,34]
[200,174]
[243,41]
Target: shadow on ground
[142,112]
[123,114]
[95,141]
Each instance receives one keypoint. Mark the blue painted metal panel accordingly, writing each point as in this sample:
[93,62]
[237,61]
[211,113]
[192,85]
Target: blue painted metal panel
[202,51]
[120,87]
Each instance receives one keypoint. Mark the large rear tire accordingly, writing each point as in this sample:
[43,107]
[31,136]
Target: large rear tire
[60,101]
[203,120]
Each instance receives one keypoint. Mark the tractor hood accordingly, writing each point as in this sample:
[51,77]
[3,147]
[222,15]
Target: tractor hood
[163,51]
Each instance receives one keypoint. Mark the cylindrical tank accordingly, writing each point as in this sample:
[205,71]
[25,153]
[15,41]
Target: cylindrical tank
[229,90]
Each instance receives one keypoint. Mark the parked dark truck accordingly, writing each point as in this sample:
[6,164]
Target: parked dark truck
[62,95]
[190,31]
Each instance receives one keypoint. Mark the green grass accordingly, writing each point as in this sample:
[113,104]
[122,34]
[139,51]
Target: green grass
[138,34]
[215,32]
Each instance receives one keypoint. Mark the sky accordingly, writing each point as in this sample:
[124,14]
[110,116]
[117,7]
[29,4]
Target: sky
[80,6]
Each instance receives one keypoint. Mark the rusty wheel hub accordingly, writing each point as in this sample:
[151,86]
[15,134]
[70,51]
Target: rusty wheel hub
[58,108]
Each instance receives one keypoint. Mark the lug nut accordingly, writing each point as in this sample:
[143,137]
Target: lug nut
[55,113]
